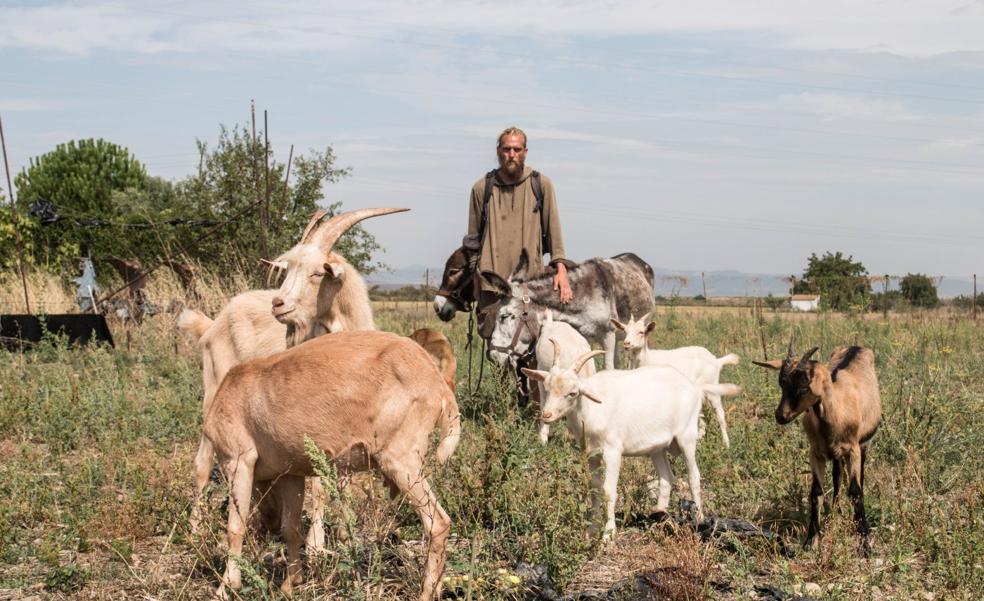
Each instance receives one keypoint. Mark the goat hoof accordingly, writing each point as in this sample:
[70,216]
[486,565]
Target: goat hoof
[865,548]
[287,587]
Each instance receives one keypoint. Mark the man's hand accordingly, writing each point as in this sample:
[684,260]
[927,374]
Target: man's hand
[560,282]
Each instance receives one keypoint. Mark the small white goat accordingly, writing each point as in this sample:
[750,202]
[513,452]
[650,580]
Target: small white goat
[558,343]
[696,362]
[640,412]
[367,399]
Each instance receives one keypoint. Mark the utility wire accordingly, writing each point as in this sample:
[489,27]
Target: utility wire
[463,50]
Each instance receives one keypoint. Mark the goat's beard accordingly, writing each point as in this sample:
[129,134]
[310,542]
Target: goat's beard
[295,335]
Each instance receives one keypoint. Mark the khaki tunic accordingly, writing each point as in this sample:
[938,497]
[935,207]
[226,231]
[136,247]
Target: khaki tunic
[513,226]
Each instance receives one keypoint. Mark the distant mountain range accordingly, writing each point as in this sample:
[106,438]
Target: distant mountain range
[674,282]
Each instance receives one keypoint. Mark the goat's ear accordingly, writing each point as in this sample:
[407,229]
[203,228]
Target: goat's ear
[534,374]
[816,383]
[501,286]
[774,364]
[650,326]
[334,270]
[587,391]
[618,324]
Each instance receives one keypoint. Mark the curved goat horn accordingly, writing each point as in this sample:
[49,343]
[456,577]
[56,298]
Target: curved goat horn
[273,268]
[579,363]
[556,348]
[809,354]
[313,224]
[790,352]
[645,317]
[328,233]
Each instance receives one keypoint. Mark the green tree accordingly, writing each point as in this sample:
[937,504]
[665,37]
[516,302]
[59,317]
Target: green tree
[224,188]
[919,290]
[841,282]
[8,239]
[82,180]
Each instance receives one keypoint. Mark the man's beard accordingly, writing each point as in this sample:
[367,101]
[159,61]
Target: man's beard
[512,168]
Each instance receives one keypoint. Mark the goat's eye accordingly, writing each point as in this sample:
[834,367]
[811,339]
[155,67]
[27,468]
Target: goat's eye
[572,394]
[318,274]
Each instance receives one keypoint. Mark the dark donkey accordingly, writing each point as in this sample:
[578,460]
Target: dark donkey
[620,288]
[457,291]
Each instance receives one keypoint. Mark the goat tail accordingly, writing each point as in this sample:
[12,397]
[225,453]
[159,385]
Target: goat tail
[729,359]
[450,427]
[720,389]
[193,323]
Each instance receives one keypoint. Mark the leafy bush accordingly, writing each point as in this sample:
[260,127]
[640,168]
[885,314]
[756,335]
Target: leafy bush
[919,290]
[841,282]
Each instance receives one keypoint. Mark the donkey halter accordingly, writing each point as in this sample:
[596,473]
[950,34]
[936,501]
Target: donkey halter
[525,319]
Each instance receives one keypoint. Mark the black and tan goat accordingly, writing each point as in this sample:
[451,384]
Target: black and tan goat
[841,409]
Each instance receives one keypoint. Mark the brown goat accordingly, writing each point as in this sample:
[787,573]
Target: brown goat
[439,348]
[841,409]
[367,399]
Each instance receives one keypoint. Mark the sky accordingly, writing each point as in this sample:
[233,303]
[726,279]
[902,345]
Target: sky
[701,135]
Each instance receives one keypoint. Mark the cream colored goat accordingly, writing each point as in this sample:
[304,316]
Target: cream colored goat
[367,399]
[321,292]
[247,328]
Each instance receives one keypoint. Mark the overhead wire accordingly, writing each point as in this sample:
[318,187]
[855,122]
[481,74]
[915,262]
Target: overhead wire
[485,49]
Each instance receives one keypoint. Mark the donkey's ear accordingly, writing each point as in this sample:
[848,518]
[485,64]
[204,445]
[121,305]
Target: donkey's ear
[495,280]
[522,266]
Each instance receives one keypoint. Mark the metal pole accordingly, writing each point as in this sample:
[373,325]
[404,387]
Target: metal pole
[286,177]
[266,161]
[256,183]
[885,299]
[13,220]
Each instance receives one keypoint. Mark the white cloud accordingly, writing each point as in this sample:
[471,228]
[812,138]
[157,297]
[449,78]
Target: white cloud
[905,27]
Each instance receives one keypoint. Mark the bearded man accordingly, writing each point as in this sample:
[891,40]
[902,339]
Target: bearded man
[512,209]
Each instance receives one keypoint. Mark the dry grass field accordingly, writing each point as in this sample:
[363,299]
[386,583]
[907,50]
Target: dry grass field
[97,446]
